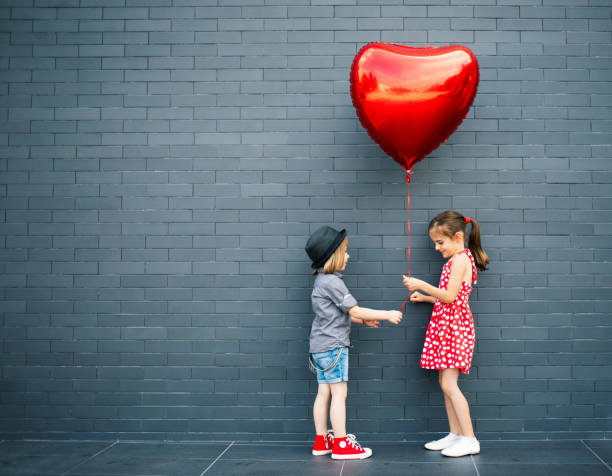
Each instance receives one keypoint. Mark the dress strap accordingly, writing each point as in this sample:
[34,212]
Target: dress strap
[474,272]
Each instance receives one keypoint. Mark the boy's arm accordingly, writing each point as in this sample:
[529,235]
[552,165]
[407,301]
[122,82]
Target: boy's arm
[367,314]
[368,323]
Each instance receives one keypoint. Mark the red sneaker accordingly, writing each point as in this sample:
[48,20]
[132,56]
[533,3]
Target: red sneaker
[323,444]
[348,448]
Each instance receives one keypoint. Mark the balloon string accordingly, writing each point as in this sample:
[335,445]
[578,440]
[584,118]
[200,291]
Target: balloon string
[408,174]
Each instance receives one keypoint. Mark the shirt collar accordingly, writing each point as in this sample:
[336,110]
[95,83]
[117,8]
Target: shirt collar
[336,273]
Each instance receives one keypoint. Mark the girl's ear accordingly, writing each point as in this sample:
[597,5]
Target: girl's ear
[459,236]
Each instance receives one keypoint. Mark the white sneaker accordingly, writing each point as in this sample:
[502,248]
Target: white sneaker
[463,447]
[442,443]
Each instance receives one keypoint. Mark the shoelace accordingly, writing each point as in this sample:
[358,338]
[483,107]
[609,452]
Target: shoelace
[353,440]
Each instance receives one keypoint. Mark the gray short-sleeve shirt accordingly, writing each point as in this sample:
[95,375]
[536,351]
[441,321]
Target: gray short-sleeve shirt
[331,301]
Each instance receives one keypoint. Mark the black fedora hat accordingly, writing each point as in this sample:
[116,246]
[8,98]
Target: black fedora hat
[322,244]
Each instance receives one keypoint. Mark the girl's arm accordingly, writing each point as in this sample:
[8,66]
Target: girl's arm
[418,297]
[458,270]
[366,314]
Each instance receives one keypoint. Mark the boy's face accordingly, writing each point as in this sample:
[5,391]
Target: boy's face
[346,258]
[446,245]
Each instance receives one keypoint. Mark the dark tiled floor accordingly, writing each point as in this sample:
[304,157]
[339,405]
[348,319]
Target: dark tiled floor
[231,458]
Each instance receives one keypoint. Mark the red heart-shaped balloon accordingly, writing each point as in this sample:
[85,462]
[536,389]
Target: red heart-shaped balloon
[410,100]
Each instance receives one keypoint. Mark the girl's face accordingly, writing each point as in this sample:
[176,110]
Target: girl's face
[446,245]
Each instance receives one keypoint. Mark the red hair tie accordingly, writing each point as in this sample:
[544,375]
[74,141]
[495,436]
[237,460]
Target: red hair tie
[467,219]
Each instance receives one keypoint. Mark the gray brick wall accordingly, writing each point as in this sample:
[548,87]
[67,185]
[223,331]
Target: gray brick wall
[163,162]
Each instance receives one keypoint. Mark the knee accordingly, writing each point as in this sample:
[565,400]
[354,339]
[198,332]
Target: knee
[324,391]
[338,397]
[339,391]
[448,386]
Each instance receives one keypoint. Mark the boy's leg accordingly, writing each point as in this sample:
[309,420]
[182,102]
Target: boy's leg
[319,410]
[448,383]
[337,411]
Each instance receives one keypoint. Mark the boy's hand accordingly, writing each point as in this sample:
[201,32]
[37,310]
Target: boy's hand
[411,283]
[371,323]
[394,317]
[417,297]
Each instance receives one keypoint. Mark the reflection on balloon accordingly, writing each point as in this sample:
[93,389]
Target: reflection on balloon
[410,100]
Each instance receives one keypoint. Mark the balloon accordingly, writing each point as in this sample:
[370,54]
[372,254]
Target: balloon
[410,100]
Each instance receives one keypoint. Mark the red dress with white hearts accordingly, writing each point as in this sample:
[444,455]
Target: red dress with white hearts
[450,338]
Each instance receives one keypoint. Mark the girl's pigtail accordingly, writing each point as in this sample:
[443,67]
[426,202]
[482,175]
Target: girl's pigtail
[480,257]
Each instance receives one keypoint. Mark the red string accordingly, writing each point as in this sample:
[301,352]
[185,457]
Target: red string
[408,174]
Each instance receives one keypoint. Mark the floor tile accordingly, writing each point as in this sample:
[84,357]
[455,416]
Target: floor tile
[170,450]
[45,457]
[37,464]
[275,468]
[271,452]
[131,466]
[81,448]
[168,458]
[402,452]
[535,452]
[409,453]
[544,469]
[375,467]
[603,448]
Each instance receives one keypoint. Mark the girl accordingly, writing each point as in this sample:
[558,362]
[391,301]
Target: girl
[450,338]
[335,309]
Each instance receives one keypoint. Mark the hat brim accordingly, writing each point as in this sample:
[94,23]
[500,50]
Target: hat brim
[330,251]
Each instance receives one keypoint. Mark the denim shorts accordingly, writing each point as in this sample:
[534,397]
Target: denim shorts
[324,359]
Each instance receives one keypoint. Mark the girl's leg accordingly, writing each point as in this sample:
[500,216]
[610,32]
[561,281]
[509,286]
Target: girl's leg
[448,383]
[319,410]
[453,423]
[337,410]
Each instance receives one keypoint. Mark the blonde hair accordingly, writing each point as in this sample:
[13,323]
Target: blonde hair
[336,260]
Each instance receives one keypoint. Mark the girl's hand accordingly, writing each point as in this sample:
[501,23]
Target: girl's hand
[371,323]
[412,284]
[418,297]
[394,317]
